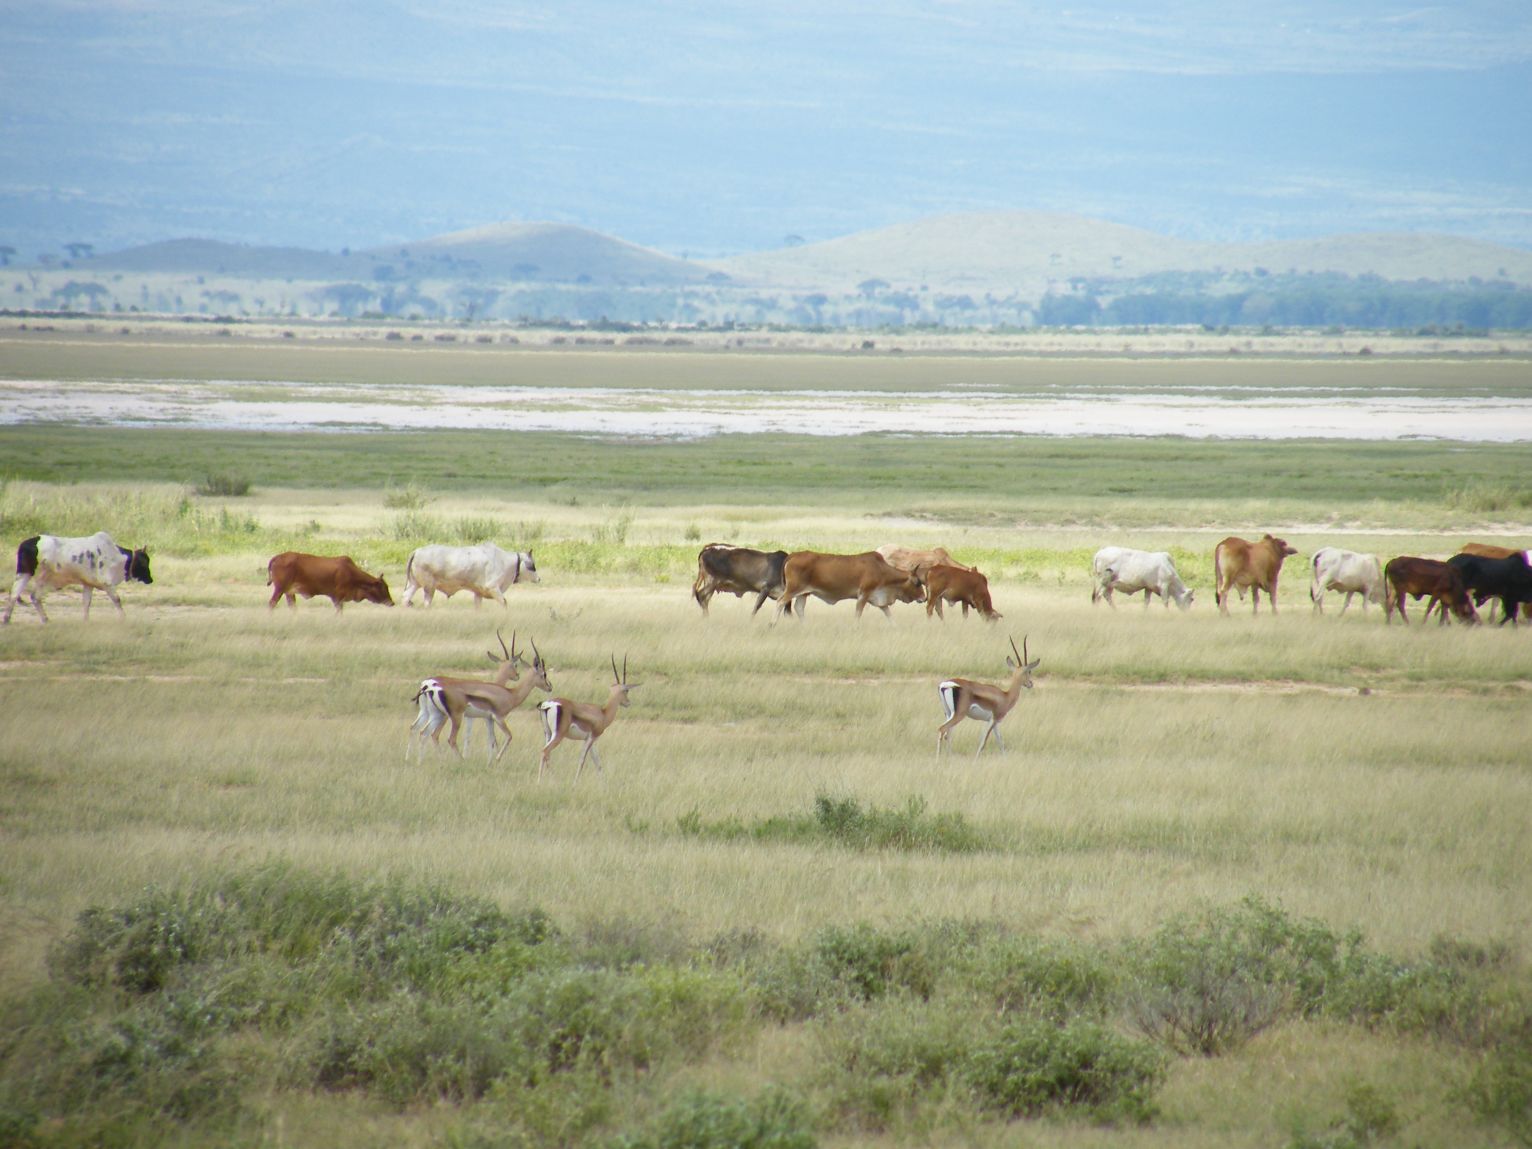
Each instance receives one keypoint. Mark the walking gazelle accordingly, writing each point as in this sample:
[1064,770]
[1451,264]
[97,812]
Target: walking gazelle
[964,698]
[458,699]
[565,719]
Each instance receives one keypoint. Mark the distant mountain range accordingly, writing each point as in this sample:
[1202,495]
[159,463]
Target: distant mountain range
[975,269]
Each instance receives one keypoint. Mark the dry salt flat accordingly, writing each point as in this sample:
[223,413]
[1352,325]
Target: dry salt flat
[657,412]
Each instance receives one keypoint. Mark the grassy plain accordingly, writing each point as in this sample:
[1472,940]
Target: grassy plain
[1362,776]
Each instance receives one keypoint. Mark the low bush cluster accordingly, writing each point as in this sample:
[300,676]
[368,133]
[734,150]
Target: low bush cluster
[844,821]
[158,1012]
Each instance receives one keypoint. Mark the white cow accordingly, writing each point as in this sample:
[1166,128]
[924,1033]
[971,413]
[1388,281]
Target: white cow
[48,562]
[483,570]
[1131,571]
[1349,572]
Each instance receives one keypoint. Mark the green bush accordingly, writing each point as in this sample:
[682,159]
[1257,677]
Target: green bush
[222,484]
[1500,1088]
[701,1120]
[1043,978]
[872,963]
[1034,1068]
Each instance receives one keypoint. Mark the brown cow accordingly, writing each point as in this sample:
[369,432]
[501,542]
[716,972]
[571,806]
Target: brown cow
[961,585]
[920,562]
[338,579]
[1416,577]
[1238,563]
[833,578]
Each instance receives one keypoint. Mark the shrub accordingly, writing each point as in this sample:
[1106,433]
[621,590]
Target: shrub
[701,1120]
[1033,1068]
[872,963]
[223,485]
[1500,1087]
[406,498]
[1044,978]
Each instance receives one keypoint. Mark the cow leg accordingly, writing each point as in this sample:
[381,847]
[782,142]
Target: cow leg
[965,608]
[478,600]
[85,594]
[760,601]
[117,602]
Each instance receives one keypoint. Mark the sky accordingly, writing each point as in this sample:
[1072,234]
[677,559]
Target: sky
[711,129]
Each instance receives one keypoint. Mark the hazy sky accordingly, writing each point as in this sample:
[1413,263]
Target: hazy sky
[718,127]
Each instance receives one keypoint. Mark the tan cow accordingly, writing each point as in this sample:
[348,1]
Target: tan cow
[958,585]
[834,578]
[1238,563]
[920,562]
[338,579]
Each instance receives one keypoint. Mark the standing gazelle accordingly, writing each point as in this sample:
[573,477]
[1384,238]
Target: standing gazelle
[563,719]
[964,698]
[459,699]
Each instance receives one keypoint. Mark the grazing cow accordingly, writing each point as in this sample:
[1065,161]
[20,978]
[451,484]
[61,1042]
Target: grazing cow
[833,578]
[1509,580]
[484,570]
[1240,563]
[338,579]
[1348,572]
[1490,551]
[1417,577]
[737,571]
[907,559]
[48,562]
[959,585]
[1131,571]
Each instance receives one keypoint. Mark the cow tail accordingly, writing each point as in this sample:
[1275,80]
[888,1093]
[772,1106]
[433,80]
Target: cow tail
[1217,576]
[409,569]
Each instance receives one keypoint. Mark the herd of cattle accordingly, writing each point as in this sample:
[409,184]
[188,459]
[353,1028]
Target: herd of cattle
[891,574]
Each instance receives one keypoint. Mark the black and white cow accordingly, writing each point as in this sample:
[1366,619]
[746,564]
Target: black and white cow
[48,562]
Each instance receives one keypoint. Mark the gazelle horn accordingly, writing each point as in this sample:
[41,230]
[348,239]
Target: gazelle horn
[615,678]
[1016,652]
[624,668]
[537,658]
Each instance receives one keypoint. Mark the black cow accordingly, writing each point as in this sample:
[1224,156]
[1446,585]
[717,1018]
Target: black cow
[1507,579]
[738,571]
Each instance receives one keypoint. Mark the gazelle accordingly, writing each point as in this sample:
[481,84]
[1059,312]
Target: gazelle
[563,719]
[456,699]
[964,698]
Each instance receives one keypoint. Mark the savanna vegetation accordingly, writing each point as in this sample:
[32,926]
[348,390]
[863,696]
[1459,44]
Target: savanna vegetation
[1246,881]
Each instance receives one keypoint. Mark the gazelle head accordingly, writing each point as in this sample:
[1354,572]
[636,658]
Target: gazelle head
[511,657]
[620,681]
[1020,665]
[539,668]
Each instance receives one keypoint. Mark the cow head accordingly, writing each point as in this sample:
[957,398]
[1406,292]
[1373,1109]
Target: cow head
[912,589]
[528,569]
[1281,547]
[375,589]
[138,566]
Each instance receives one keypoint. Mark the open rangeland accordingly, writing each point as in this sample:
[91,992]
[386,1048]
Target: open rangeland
[1234,881]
